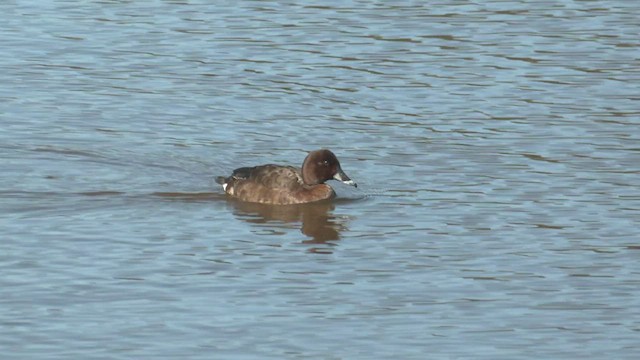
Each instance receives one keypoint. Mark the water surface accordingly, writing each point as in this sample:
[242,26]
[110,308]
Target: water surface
[495,145]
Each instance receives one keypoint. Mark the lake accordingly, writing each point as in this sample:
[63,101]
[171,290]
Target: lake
[495,145]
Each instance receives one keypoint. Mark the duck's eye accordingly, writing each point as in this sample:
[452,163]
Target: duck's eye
[325,163]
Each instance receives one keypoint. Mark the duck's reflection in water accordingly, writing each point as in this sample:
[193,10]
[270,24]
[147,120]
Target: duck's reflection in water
[316,219]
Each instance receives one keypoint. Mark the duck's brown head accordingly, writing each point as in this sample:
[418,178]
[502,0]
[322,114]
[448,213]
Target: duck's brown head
[322,165]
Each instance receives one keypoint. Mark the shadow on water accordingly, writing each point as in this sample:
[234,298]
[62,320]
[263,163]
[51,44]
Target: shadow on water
[316,220]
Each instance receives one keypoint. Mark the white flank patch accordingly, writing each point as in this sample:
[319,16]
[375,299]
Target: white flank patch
[224,187]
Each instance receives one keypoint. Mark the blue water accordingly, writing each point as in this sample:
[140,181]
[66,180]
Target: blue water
[495,145]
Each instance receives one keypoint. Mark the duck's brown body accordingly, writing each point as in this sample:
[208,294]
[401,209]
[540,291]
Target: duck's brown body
[286,185]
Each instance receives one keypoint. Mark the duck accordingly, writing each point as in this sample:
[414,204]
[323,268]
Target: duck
[287,185]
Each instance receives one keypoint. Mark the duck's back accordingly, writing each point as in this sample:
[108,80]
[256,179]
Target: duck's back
[271,176]
[273,184]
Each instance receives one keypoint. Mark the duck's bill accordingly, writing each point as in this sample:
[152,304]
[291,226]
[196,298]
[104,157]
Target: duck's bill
[341,176]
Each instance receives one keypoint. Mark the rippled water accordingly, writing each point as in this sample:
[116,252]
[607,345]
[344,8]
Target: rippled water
[495,145]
